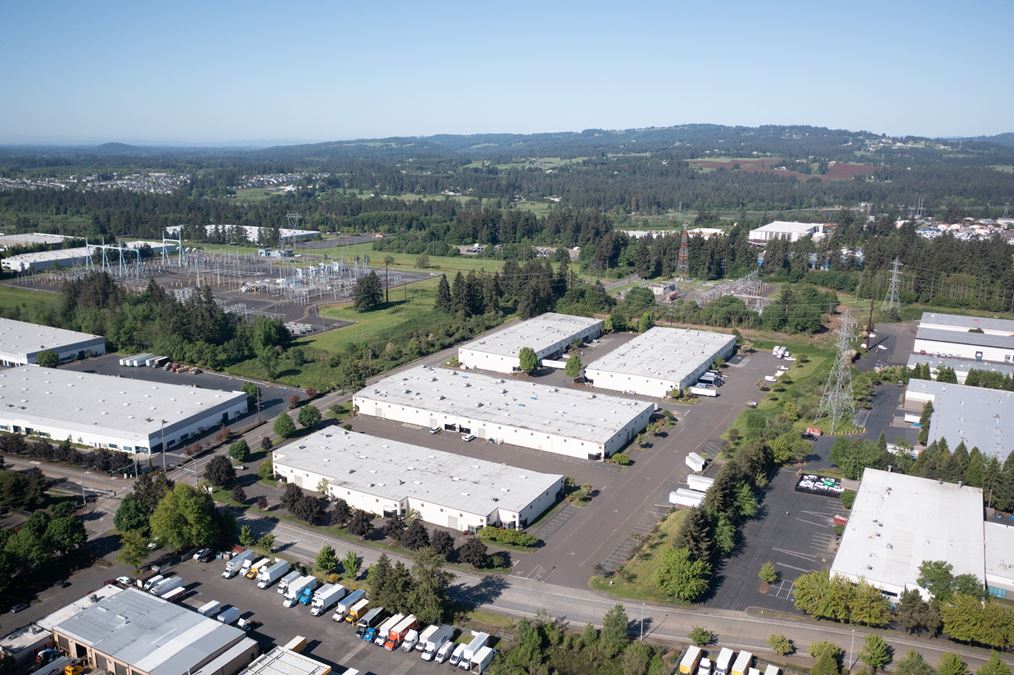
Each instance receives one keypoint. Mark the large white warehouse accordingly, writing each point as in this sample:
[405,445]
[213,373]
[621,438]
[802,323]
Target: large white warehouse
[660,360]
[110,412]
[976,416]
[782,229]
[965,337]
[548,335]
[22,342]
[565,421]
[388,477]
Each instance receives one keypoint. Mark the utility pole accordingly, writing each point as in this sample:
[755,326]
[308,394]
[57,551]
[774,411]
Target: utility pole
[891,302]
[869,323]
[162,432]
[642,621]
[836,401]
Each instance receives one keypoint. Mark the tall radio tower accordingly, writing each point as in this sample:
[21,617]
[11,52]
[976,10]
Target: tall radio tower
[891,302]
[836,402]
[683,259]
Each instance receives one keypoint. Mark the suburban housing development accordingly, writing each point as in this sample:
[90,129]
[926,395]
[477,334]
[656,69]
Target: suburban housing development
[549,335]
[659,361]
[565,421]
[21,343]
[110,412]
[386,477]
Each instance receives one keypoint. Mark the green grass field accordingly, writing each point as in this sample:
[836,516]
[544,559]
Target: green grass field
[636,579]
[407,261]
[255,195]
[11,297]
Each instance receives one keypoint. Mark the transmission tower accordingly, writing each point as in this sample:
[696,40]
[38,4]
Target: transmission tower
[683,259]
[836,403]
[292,220]
[891,302]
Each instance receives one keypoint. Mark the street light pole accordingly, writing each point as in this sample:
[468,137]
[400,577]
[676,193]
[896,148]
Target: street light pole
[852,643]
[642,621]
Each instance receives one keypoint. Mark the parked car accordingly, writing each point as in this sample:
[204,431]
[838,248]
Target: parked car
[20,607]
[125,581]
[435,430]
[62,583]
[201,552]
[468,437]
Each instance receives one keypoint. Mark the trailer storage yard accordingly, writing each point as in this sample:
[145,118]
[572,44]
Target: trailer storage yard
[552,419]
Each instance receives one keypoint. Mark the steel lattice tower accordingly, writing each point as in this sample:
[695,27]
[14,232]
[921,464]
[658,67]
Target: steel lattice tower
[836,403]
[891,302]
[683,259]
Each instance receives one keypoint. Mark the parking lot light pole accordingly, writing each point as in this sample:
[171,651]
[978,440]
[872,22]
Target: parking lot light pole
[642,621]
[852,644]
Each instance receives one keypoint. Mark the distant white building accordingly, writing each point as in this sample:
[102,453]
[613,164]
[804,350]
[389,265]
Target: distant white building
[252,233]
[548,335]
[22,342]
[30,239]
[40,261]
[898,522]
[781,229]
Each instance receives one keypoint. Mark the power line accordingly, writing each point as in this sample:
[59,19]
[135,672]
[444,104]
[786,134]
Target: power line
[836,402]
[891,303]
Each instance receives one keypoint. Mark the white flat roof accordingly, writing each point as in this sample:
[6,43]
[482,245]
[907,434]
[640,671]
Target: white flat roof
[978,416]
[18,338]
[899,521]
[282,661]
[30,239]
[539,333]
[395,470]
[150,634]
[55,254]
[999,551]
[966,323]
[663,353]
[794,227]
[959,364]
[569,413]
[964,337]
[89,401]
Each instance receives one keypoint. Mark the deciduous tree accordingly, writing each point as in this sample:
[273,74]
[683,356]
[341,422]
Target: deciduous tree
[682,577]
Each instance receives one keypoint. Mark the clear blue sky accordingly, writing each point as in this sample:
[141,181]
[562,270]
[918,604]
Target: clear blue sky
[215,72]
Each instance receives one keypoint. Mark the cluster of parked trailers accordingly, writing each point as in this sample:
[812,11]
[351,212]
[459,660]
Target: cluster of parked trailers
[692,495]
[708,384]
[694,662]
[372,624]
[171,588]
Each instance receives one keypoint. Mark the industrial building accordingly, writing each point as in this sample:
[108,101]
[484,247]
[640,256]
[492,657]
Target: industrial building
[781,229]
[252,233]
[110,412]
[30,263]
[136,632]
[30,239]
[964,345]
[287,660]
[960,323]
[549,335]
[898,522]
[660,360]
[22,342]
[961,367]
[976,416]
[386,477]
[565,421]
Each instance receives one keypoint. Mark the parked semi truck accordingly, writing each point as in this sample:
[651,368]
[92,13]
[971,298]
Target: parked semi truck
[296,588]
[357,610]
[254,569]
[371,619]
[433,638]
[166,585]
[283,585]
[272,573]
[724,661]
[306,597]
[380,634]
[235,564]
[398,633]
[342,611]
[326,597]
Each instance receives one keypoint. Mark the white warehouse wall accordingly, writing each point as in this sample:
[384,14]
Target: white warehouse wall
[974,352]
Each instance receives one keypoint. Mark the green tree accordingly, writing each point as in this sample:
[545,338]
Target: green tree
[474,552]
[638,659]
[768,573]
[914,614]
[185,518]
[265,470]
[65,534]
[574,366]
[913,664]
[351,563]
[239,451]
[443,302]
[266,542]
[646,321]
[780,645]
[284,426]
[527,361]
[47,359]
[995,666]
[133,549]
[868,606]
[876,653]
[253,394]
[725,536]
[827,657]
[951,664]
[615,634]
[361,524]
[327,559]
[924,422]
[427,596]
[937,577]
[702,637]
[442,542]
[130,515]
[246,536]
[219,471]
[309,416]
[681,577]
[369,293]
[746,502]
[415,536]
[150,488]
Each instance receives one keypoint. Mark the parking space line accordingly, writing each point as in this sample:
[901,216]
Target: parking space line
[795,553]
[793,567]
[810,522]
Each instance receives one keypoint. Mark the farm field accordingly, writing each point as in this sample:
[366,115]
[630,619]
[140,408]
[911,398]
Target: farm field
[836,171]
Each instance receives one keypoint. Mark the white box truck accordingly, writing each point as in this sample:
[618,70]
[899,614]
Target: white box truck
[691,657]
[410,641]
[296,588]
[342,611]
[772,670]
[236,562]
[209,609]
[272,573]
[695,462]
[326,597]
[283,585]
[686,498]
[481,659]
[699,483]
[742,664]
[724,661]
[385,628]
[471,649]
[229,615]
[433,639]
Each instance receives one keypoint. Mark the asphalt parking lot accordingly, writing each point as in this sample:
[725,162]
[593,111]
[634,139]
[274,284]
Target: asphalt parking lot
[794,532]
[333,643]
